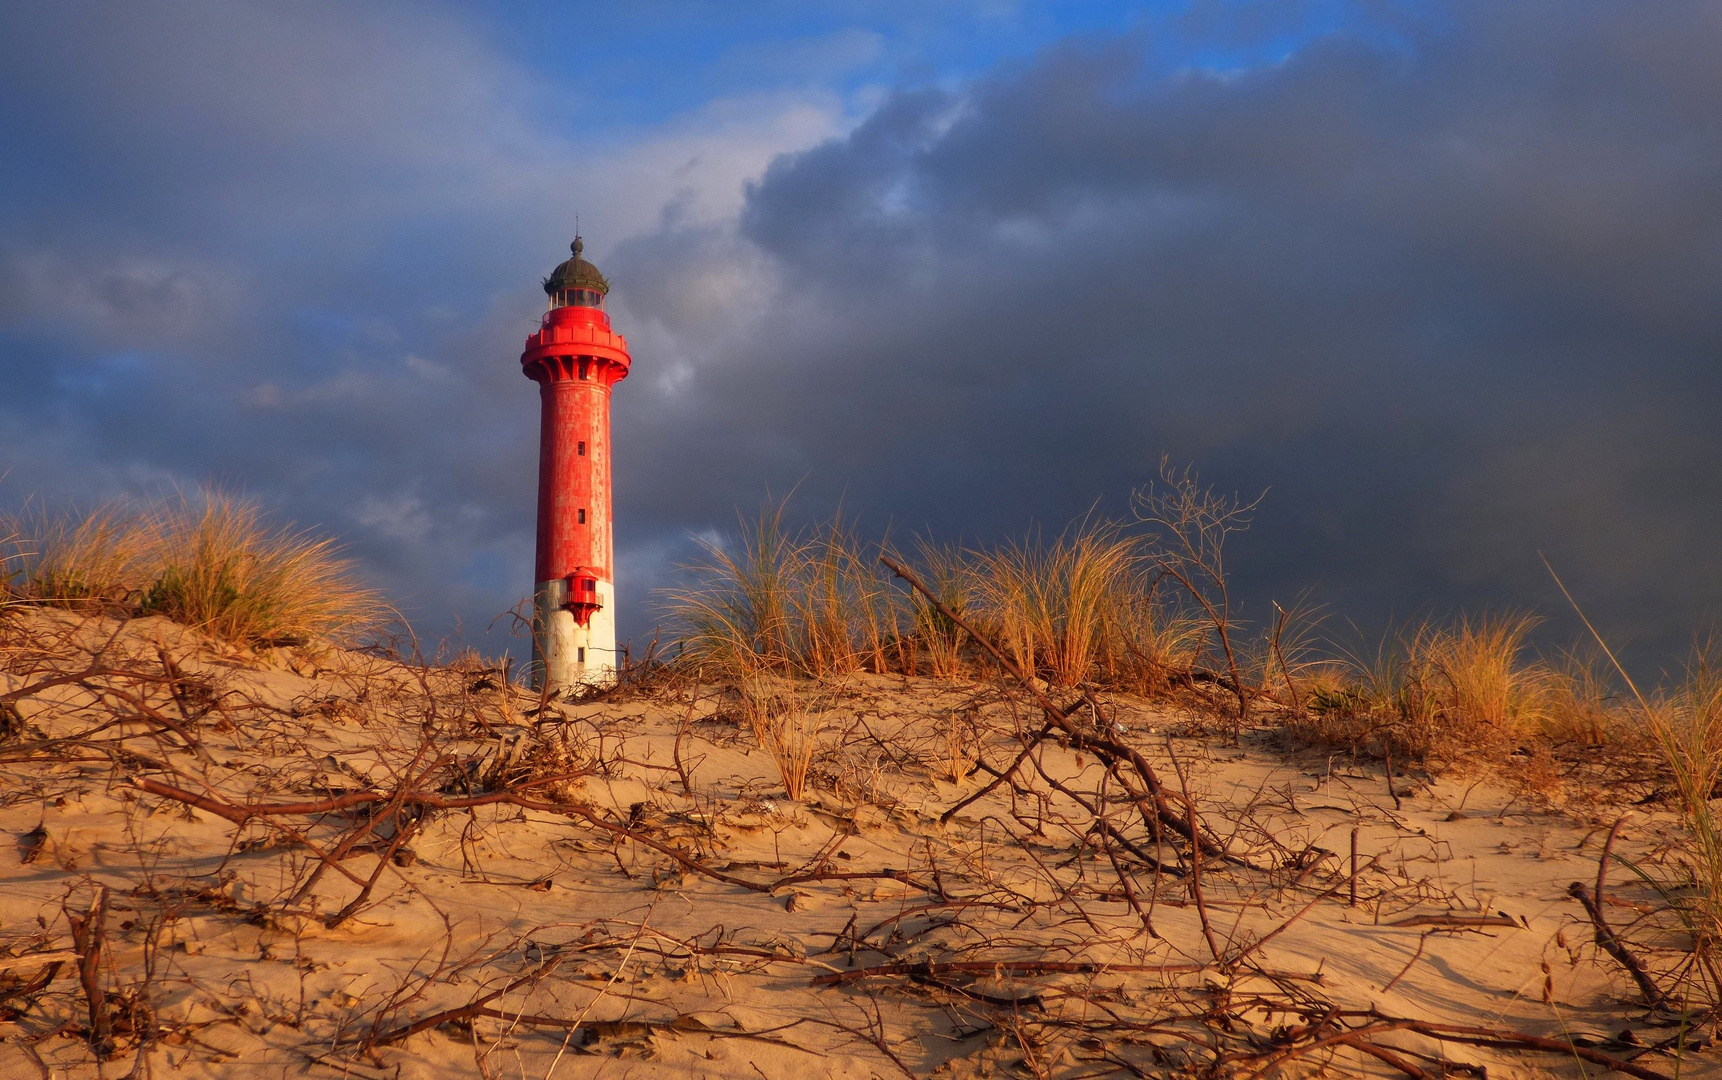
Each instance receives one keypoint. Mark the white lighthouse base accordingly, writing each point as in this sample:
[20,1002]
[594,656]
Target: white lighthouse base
[566,655]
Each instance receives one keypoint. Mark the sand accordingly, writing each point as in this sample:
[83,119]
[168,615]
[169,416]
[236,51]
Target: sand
[1005,941]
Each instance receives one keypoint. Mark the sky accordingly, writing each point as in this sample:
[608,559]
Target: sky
[1443,279]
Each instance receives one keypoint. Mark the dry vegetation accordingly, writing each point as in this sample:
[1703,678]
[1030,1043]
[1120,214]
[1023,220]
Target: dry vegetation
[1090,611]
[1042,810]
[1143,607]
[211,562]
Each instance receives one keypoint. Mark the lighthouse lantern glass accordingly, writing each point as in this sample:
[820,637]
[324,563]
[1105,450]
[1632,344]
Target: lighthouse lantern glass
[590,298]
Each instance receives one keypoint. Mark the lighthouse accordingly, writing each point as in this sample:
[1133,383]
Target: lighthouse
[575,358]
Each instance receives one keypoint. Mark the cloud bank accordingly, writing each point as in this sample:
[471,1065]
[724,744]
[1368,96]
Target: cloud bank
[1452,298]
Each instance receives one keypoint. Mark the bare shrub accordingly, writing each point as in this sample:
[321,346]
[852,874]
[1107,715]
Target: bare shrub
[1192,524]
[552,761]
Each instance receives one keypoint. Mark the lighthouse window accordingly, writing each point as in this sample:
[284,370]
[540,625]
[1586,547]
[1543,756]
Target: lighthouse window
[585,367]
[580,656]
[581,449]
[582,515]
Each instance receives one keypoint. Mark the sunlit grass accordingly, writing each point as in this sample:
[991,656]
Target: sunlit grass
[79,560]
[786,717]
[1054,601]
[212,562]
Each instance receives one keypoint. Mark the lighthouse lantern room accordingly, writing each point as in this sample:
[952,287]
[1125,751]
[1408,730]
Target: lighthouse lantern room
[575,358]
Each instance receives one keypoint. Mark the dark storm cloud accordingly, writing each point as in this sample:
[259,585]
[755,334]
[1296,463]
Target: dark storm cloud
[1454,298]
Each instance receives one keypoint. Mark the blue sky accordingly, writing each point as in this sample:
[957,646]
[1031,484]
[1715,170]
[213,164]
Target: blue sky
[1442,276]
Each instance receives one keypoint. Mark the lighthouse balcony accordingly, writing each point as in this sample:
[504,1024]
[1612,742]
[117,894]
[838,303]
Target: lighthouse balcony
[584,599]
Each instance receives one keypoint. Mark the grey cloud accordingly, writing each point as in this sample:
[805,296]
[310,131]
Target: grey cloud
[1454,300]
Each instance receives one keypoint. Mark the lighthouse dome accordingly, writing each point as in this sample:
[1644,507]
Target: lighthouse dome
[576,281]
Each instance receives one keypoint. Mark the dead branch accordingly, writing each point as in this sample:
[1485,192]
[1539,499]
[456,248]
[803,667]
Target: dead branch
[932,970]
[1611,944]
[463,1012]
[89,936]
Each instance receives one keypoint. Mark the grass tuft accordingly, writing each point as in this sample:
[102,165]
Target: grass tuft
[1687,727]
[212,562]
[787,718]
[1439,693]
[1054,602]
[946,570]
[816,604]
[79,561]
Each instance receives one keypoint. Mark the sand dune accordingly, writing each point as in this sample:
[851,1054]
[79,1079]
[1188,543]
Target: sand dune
[478,883]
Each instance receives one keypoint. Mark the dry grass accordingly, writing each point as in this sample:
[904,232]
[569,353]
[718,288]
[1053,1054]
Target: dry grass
[223,569]
[779,602]
[947,571]
[1053,602]
[816,604]
[1288,660]
[1687,727]
[787,719]
[212,562]
[1146,642]
[80,561]
[1477,677]
[1440,693]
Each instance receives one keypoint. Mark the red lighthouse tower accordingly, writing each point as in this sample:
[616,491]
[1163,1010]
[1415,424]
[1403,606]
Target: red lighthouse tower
[575,358]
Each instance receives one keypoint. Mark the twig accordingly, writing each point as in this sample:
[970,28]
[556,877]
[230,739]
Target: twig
[463,1012]
[36,960]
[1602,861]
[1422,940]
[1196,861]
[1383,1054]
[1353,867]
[1458,920]
[932,969]
[1482,1036]
[1609,943]
[89,935]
